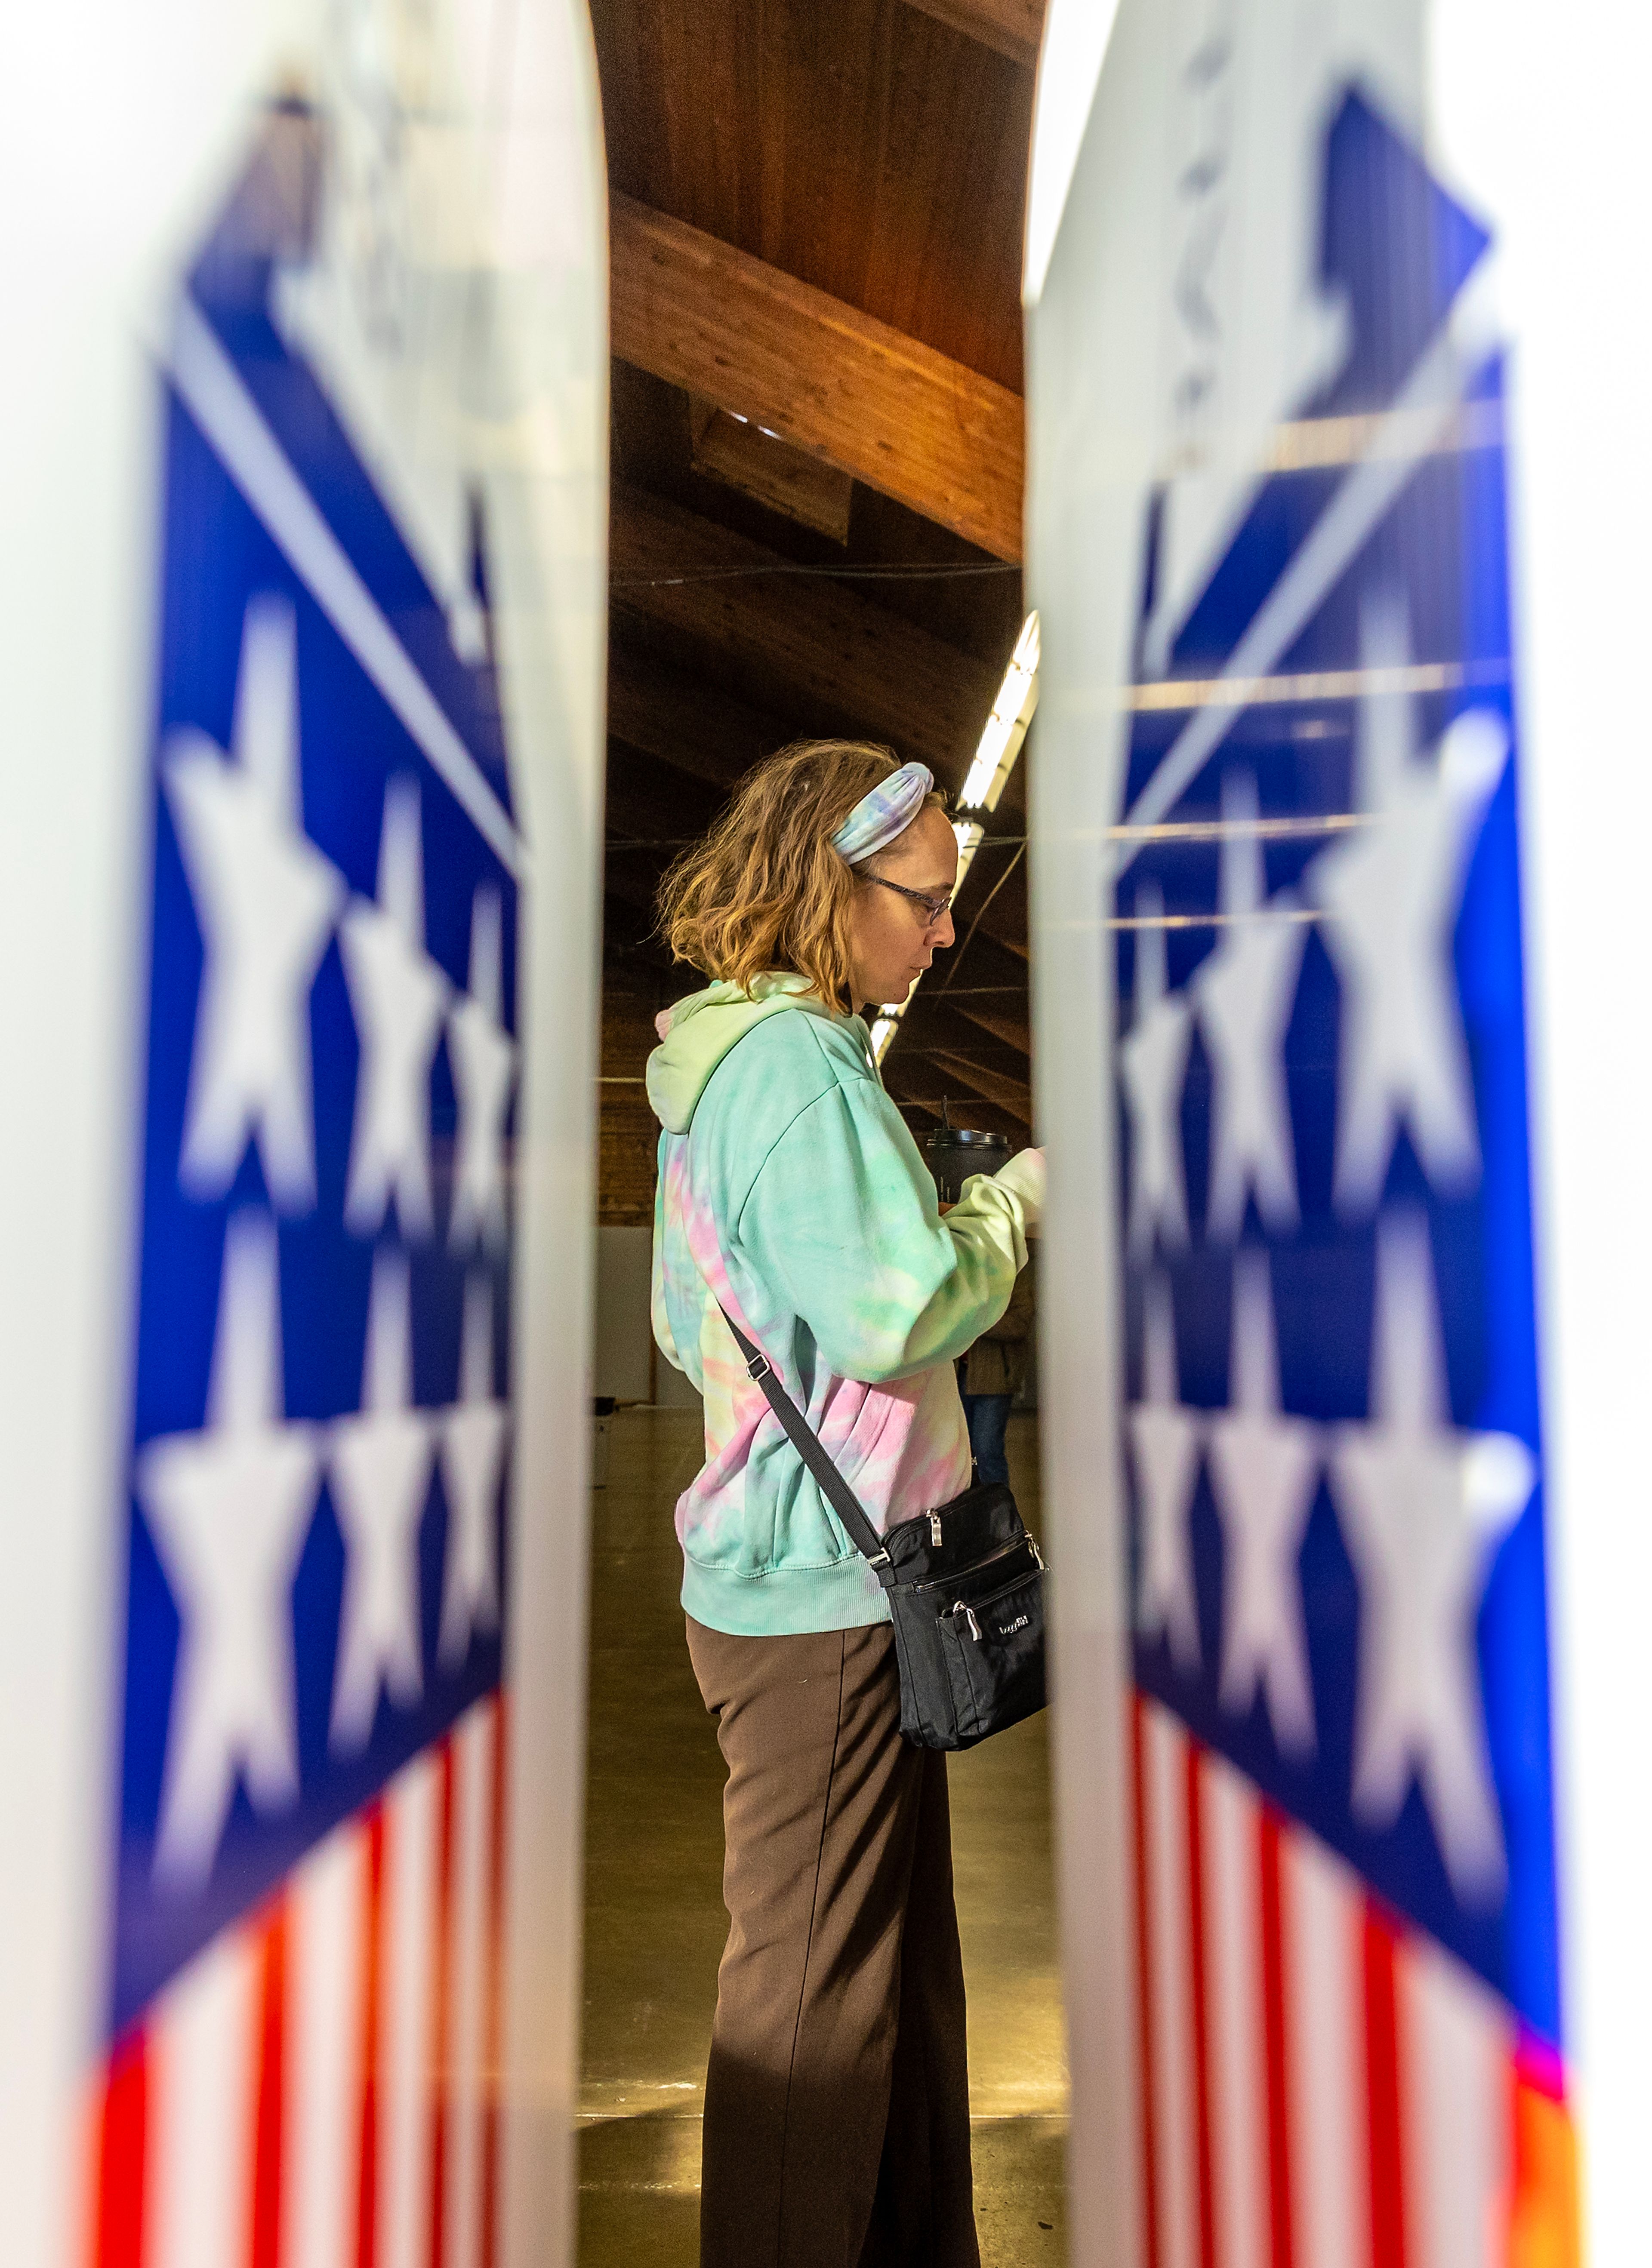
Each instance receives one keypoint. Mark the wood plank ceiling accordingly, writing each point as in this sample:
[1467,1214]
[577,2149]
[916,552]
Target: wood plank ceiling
[816,229]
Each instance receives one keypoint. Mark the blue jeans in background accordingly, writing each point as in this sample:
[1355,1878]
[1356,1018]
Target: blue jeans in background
[988,1414]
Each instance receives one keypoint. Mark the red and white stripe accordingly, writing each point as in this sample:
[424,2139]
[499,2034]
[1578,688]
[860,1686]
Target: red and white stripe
[316,2089]
[1322,2087]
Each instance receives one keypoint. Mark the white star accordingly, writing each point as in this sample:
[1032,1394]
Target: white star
[1422,1509]
[398,995]
[483,1059]
[1389,899]
[379,1470]
[1264,1471]
[229,1508]
[1152,1060]
[1165,1437]
[473,1455]
[265,900]
[1245,993]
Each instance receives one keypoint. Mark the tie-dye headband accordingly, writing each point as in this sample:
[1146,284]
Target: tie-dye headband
[887,811]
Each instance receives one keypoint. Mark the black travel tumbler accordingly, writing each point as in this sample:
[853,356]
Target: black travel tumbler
[954,1153]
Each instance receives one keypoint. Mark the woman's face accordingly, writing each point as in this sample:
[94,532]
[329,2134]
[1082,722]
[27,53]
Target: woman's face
[892,939]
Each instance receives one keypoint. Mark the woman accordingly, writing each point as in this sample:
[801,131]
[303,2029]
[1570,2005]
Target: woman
[836,2098]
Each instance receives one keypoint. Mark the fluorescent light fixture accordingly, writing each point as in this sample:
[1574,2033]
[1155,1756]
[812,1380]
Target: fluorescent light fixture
[1005,728]
[989,758]
[1076,32]
[994,761]
[969,832]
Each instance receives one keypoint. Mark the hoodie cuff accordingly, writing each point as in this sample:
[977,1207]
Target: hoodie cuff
[1025,1176]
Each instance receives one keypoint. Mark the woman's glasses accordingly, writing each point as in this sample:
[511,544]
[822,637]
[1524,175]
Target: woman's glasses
[933,907]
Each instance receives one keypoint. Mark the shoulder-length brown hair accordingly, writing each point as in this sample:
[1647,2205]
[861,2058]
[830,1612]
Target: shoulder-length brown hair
[765,890]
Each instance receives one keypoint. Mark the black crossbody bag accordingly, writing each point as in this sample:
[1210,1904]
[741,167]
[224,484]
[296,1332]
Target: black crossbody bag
[965,1587]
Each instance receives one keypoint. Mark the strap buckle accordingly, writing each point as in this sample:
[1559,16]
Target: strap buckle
[759,1367]
[881,1559]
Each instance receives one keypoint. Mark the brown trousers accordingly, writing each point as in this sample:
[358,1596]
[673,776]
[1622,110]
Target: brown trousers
[837,2094]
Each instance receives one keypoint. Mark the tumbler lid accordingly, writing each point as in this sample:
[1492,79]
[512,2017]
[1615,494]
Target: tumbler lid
[954,1153]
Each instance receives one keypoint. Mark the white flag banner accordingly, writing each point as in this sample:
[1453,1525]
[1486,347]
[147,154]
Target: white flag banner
[308,587]
[1299,1377]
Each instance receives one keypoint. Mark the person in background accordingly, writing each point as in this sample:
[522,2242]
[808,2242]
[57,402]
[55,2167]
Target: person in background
[837,2127]
[992,1374]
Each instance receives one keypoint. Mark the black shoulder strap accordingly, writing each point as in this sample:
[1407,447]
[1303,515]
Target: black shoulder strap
[807,1442]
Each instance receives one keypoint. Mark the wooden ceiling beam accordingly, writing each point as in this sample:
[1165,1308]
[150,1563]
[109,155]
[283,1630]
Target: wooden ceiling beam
[987,963]
[818,373]
[945,1037]
[1012,1095]
[646,801]
[989,993]
[1005,922]
[1001,912]
[1002,1019]
[628,919]
[1010,27]
[816,640]
[633,891]
[913,1086]
[771,471]
[683,721]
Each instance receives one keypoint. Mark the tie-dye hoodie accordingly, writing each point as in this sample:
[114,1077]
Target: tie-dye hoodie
[790,1189]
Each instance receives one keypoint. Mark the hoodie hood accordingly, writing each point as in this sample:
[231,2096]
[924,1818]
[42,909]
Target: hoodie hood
[698,1032]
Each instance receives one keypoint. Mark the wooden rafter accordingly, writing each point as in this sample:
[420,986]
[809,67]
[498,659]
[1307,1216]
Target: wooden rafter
[648,803]
[788,481]
[1003,1020]
[626,885]
[819,375]
[937,1043]
[934,1015]
[1011,1094]
[813,646]
[684,721]
[1012,27]
[988,967]
[994,900]
[917,1087]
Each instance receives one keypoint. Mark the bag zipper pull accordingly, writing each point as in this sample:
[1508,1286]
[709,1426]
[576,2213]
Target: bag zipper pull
[968,1615]
[934,1527]
[1037,1553]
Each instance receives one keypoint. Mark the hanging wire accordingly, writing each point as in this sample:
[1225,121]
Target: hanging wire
[910,571]
[957,963]
[681,843]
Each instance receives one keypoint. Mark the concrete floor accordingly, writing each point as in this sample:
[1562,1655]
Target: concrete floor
[655,1924]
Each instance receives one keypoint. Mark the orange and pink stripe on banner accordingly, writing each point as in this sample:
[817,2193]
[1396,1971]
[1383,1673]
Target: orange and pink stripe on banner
[1323,2086]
